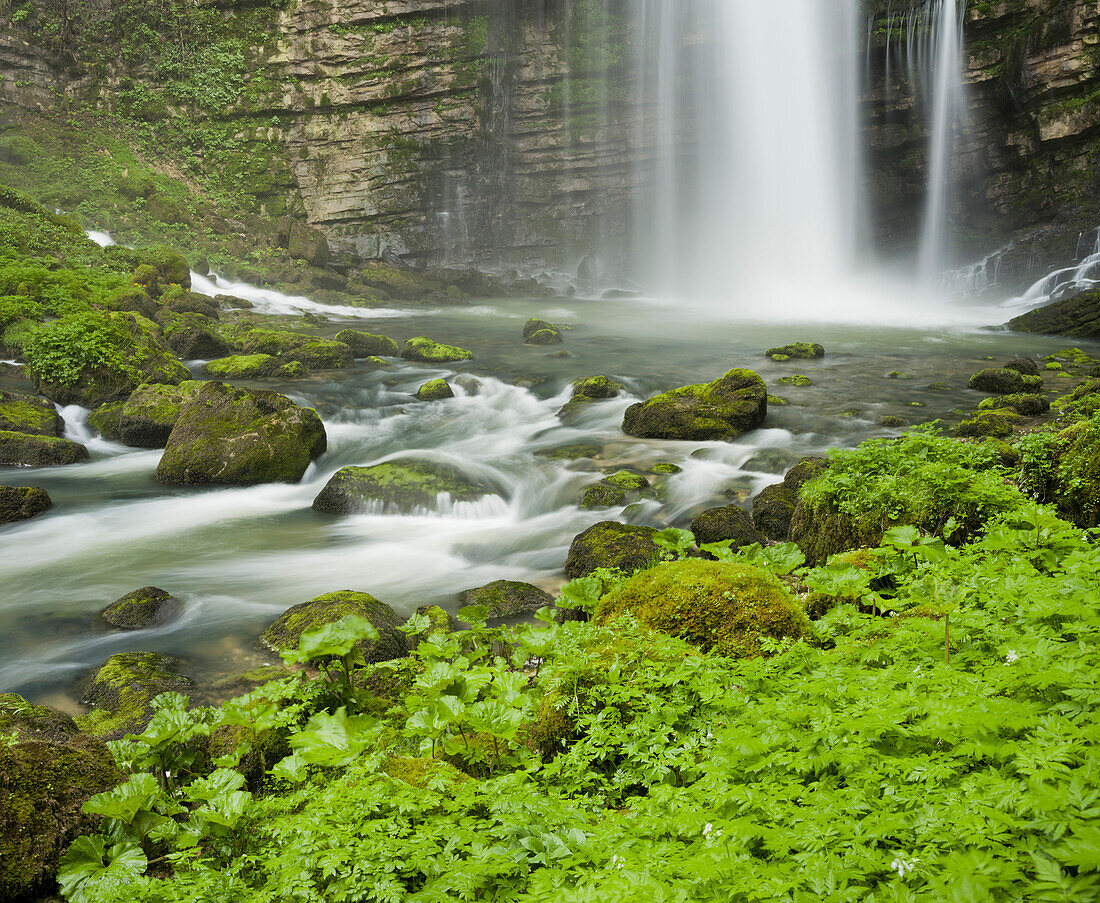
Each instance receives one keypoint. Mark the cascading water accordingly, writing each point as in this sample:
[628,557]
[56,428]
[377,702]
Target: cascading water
[750,166]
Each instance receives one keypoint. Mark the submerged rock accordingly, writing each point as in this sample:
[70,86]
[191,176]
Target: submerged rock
[22,503]
[610,544]
[29,414]
[726,523]
[366,344]
[507,598]
[309,351]
[146,418]
[423,350]
[240,437]
[287,631]
[48,770]
[403,486]
[806,351]
[723,409]
[141,608]
[20,449]
[435,390]
[569,452]
[121,690]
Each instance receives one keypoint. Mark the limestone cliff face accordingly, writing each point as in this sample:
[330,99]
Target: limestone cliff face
[446,131]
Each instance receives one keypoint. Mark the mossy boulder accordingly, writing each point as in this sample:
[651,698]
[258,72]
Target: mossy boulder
[540,332]
[240,437]
[22,503]
[1024,365]
[1082,403]
[178,301]
[1022,403]
[366,344]
[719,607]
[602,495]
[29,414]
[19,449]
[620,488]
[803,351]
[404,485]
[569,452]
[507,598]
[797,379]
[141,608]
[287,631]
[610,544]
[728,522]
[121,690]
[435,390]
[892,421]
[423,350]
[48,770]
[309,351]
[996,424]
[252,366]
[589,389]
[1076,316]
[192,338]
[723,409]
[146,418]
[773,507]
[997,381]
[156,268]
[1072,479]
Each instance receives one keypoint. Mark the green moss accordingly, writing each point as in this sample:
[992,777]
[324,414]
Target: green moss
[121,690]
[508,598]
[723,409]
[569,452]
[666,467]
[797,351]
[365,344]
[602,495]
[725,608]
[20,449]
[424,350]
[435,390]
[796,380]
[286,632]
[400,485]
[141,608]
[243,366]
[997,424]
[425,772]
[1021,403]
[610,544]
[624,479]
[27,414]
[312,352]
[146,418]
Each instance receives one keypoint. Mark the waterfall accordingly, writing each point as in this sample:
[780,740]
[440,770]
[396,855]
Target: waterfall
[749,161]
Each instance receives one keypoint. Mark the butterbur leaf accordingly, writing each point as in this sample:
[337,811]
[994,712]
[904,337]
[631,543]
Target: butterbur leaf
[584,592]
[902,537]
[88,869]
[223,780]
[335,639]
[674,540]
[418,623]
[125,801]
[292,768]
[333,740]
[474,615]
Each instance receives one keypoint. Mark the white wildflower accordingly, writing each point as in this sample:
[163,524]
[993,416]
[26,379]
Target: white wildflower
[617,861]
[1013,656]
[901,865]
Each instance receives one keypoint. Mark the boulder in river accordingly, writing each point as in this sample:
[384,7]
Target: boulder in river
[726,523]
[20,449]
[287,631]
[426,351]
[435,390]
[366,344]
[310,351]
[141,608]
[802,351]
[589,389]
[121,690]
[253,366]
[402,485]
[48,770]
[240,437]
[610,544]
[29,414]
[22,503]
[190,336]
[997,381]
[1077,316]
[508,598]
[541,332]
[773,508]
[724,409]
[146,418]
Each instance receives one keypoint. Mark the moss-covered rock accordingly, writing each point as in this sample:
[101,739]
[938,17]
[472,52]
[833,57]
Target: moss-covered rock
[1023,365]
[287,631]
[240,437]
[366,344]
[192,338]
[997,382]
[892,421]
[1082,403]
[29,414]
[121,690]
[569,452]
[179,301]
[773,507]
[22,503]
[156,268]
[798,379]
[1077,316]
[423,350]
[310,351]
[435,390]
[48,770]
[803,351]
[507,598]
[610,544]
[424,773]
[725,608]
[997,424]
[21,450]
[404,485]
[666,468]
[602,495]
[723,409]
[726,523]
[91,359]
[1021,403]
[141,608]
[540,332]
[252,366]
[146,418]
[1074,485]
[589,389]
